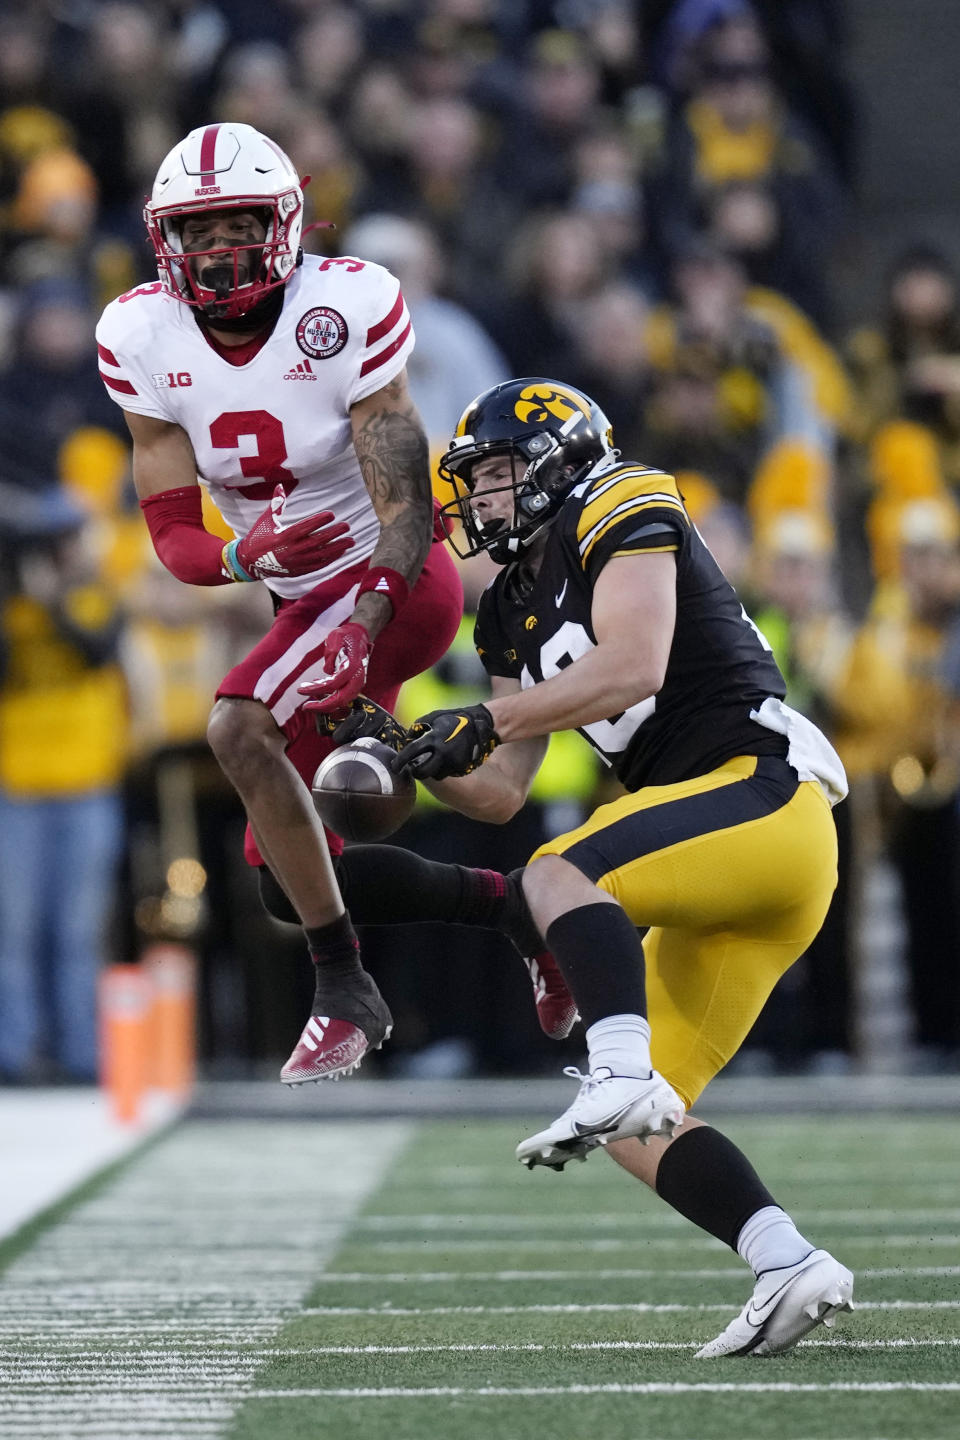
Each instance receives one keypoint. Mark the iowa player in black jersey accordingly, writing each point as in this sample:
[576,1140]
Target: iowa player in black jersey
[610,616]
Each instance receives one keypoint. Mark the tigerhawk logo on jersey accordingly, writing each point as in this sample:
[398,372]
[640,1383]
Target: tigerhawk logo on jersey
[322,333]
[537,401]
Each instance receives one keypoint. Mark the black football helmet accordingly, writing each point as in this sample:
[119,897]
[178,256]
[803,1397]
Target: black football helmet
[553,434]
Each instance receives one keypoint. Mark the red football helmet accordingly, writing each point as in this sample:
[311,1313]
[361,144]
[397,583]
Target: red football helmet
[226,167]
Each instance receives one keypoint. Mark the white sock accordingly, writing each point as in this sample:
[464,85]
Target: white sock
[621,1042]
[770,1240]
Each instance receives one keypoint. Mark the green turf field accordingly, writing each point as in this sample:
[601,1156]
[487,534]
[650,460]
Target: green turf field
[265,1281]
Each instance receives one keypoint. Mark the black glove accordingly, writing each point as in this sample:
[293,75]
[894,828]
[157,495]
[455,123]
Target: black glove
[448,742]
[365,717]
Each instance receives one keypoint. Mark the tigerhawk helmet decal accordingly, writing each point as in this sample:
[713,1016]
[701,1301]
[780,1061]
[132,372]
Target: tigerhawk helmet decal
[553,434]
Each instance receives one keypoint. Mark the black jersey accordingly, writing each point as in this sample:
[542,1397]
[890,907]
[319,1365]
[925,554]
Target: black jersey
[719,667]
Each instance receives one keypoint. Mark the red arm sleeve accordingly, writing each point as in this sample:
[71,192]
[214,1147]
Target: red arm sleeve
[188,550]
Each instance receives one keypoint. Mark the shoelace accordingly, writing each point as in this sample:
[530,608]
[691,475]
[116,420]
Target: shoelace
[587,1082]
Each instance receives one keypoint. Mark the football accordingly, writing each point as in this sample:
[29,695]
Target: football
[357,794]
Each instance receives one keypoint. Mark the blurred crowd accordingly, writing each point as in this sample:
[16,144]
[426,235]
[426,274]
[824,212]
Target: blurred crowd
[643,200]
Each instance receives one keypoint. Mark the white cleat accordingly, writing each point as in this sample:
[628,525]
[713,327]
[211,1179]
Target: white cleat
[608,1107]
[784,1306]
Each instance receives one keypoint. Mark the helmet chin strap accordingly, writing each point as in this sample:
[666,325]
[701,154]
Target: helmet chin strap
[512,547]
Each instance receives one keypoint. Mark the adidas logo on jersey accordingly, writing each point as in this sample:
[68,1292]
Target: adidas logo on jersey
[303,371]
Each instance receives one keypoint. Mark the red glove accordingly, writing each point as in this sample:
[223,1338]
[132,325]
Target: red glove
[345,657]
[442,522]
[271,548]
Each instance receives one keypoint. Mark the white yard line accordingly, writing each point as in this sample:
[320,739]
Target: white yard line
[397,1392]
[601,1308]
[442,1277]
[627,1242]
[642,1241]
[111,1429]
[214,1371]
[802,1166]
[237,1203]
[573,1224]
[606,1345]
[175,1409]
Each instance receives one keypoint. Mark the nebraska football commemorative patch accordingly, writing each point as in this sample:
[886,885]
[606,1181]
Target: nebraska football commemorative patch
[322,333]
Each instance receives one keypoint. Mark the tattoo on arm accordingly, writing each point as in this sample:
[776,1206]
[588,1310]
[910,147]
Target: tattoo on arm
[394,461]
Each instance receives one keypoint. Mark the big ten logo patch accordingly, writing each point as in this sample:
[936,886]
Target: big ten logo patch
[172,380]
[322,332]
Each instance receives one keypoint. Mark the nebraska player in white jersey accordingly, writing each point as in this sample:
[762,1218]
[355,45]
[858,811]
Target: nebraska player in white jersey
[278,381]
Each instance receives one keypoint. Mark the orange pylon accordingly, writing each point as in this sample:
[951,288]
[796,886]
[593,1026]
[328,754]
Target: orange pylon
[124,1002]
[172,972]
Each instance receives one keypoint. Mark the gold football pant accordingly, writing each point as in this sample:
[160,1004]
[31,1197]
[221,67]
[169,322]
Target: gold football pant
[733,873]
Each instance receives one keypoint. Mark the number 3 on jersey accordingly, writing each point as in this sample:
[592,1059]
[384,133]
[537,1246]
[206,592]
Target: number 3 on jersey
[266,463]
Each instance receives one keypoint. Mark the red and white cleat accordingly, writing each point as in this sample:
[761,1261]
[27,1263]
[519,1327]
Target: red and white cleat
[329,1046]
[556,1007]
[326,1050]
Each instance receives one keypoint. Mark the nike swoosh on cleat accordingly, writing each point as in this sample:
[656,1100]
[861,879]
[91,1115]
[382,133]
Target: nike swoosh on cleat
[769,1305]
[608,1125]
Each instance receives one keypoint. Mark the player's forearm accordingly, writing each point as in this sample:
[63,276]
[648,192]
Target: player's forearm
[498,789]
[165,476]
[485,794]
[601,684]
[392,450]
[182,542]
[402,548]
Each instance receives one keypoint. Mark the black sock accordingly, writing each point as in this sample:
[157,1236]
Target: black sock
[385,885]
[601,959]
[705,1177]
[334,949]
[381,885]
[498,902]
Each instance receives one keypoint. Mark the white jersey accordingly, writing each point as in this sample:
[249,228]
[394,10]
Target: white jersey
[284,416]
